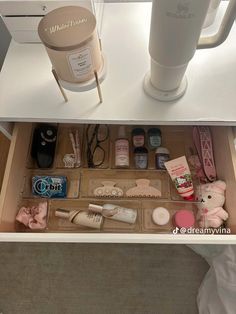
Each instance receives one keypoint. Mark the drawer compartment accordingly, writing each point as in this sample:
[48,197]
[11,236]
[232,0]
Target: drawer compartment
[93,181]
[148,206]
[16,188]
[56,224]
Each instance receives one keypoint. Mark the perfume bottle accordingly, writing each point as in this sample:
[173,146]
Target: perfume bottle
[81,217]
[115,212]
[122,149]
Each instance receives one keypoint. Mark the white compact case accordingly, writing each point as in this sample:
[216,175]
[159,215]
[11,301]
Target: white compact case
[22,17]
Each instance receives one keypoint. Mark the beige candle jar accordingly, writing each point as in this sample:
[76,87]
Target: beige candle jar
[71,40]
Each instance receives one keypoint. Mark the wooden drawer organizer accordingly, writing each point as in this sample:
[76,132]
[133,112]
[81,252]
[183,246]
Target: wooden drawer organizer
[16,189]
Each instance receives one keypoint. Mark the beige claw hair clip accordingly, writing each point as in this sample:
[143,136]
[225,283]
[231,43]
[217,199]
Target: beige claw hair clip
[108,190]
[143,189]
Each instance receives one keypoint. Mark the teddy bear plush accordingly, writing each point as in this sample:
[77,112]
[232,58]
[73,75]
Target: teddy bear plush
[210,208]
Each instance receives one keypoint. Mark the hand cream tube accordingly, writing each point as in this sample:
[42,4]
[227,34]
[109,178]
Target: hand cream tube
[179,172]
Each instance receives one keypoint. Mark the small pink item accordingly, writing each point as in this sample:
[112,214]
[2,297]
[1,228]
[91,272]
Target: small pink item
[184,219]
[210,208]
[24,215]
[203,143]
[34,217]
[197,170]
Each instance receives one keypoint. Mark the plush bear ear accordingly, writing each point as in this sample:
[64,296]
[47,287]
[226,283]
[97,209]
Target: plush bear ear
[220,184]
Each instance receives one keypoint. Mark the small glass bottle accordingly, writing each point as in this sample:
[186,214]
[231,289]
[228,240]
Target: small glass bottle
[115,212]
[122,149]
[141,157]
[161,156]
[138,137]
[154,138]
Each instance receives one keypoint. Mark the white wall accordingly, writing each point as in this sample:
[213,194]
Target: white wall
[4,41]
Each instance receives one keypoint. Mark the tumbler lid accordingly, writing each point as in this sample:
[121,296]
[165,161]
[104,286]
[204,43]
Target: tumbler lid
[66,28]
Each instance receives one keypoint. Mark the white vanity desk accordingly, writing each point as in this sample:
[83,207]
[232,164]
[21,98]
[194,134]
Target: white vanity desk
[29,93]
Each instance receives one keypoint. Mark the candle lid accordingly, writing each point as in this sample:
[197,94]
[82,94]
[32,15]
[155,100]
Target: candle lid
[66,28]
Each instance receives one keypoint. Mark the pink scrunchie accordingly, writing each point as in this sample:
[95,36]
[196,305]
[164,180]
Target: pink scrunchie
[33,217]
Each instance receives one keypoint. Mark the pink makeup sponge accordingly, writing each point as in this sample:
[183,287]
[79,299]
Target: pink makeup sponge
[184,218]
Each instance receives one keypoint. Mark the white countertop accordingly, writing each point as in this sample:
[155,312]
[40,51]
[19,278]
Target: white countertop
[28,91]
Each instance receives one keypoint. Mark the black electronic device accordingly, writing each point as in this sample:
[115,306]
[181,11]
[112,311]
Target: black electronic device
[44,145]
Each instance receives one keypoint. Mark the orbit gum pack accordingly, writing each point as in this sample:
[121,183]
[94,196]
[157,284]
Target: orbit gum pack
[49,186]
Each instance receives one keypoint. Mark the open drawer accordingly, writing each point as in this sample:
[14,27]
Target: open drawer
[15,193]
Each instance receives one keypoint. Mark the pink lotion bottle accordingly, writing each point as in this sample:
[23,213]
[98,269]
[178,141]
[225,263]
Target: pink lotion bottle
[122,149]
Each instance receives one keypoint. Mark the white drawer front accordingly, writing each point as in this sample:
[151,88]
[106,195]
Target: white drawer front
[24,8]
[22,17]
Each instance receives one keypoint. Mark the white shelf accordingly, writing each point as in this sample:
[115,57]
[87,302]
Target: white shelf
[28,91]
